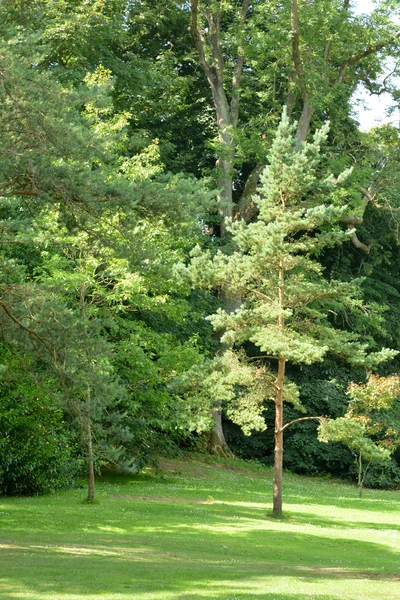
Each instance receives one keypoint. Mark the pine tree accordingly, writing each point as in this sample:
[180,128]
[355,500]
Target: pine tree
[289,310]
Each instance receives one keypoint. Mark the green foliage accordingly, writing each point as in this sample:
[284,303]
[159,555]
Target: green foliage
[385,476]
[352,433]
[371,424]
[370,427]
[105,114]
[37,453]
[286,302]
[320,394]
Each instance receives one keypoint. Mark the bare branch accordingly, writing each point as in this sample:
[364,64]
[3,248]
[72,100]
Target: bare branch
[214,22]
[356,242]
[352,220]
[199,39]
[301,419]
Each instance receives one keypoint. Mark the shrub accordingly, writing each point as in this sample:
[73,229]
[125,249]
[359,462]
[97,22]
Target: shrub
[36,455]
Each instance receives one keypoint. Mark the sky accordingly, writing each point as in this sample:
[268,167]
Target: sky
[371,110]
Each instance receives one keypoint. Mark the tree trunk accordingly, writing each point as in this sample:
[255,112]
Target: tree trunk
[90,450]
[224,184]
[216,443]
[215,440]
[360,477]
[304,123]
[210,50]
[280,381]
[278,453]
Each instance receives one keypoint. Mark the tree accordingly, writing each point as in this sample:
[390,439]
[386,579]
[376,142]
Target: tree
[314,76]
[239,46]
[38,453]
[370,426]
[92,239]
[289,311]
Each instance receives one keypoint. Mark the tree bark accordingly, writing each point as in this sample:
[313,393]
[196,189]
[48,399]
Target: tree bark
[304,123]
[278,452]
[90,456]
[216,443]
[280,381]
[227,114]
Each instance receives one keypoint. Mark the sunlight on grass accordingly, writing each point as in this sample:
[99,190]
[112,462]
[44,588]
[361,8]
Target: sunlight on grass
[162,538]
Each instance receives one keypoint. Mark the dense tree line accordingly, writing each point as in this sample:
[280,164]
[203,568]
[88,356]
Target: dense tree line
[133,137]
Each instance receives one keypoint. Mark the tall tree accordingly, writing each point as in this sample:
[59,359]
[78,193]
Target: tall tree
[287,302]
[239,44]
[315,75]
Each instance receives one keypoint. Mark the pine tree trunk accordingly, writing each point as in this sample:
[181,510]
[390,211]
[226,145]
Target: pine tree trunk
[278,453]
[280,380]
[90,450]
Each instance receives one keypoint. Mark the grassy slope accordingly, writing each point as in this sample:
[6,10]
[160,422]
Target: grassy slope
[329,545]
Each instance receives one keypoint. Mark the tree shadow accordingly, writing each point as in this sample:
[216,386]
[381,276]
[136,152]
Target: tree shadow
[177,561]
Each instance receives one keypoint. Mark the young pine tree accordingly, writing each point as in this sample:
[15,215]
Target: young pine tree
[288,308]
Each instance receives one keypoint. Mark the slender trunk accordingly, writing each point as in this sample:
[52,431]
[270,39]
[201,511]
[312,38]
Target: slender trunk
[361,476]
[280,379]
[89,448]
[278,454]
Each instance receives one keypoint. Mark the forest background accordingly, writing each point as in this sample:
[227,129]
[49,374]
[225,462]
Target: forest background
[133,136]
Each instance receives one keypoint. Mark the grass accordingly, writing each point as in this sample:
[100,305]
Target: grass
[202,530]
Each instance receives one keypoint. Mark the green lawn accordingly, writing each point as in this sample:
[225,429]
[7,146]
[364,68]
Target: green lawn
[202,530]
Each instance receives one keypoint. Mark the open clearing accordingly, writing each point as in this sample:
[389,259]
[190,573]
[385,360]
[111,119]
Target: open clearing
[202,530]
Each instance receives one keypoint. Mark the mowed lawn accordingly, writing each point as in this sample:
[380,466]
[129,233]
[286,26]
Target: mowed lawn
[202,530]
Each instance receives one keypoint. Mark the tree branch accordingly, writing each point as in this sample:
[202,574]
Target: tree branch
[301,419]
[199,39]
[246,208]
[238,69]
[356,242]
[8,184]
[31,332]
[214,23]
[20,193]
[296,49]
[357,57]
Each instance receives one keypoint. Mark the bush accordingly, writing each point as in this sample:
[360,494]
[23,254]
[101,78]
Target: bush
[385,476]
[35,450]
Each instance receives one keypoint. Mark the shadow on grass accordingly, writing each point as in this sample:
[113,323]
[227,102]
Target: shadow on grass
[347,497]
[166,561]
[130,549]
[306,518]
